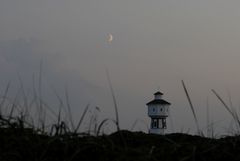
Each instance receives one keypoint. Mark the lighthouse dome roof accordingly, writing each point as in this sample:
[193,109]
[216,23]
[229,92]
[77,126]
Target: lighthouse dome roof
[158,101]
[158,93]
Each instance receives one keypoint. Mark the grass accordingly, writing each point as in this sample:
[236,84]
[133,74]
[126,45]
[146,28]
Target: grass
[192,108]
[24,138]
[114,100]
[26,144]
[230,110]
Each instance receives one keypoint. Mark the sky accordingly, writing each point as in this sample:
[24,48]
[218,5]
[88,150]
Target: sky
[156,44]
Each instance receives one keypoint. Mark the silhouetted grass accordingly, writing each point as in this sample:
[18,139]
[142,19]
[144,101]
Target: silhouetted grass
[230,110]
[114,99]
[26,144]
[22,138]
[192,108]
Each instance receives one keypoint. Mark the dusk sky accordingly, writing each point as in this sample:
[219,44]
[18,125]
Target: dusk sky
[156,44]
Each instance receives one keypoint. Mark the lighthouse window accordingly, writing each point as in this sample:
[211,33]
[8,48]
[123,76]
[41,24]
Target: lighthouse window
[154,123]
[164,125]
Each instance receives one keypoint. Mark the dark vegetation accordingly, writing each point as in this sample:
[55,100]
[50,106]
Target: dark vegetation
[26,144]
[20,140]
[27,138]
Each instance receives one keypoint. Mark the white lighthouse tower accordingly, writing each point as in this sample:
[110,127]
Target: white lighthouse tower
[158,110]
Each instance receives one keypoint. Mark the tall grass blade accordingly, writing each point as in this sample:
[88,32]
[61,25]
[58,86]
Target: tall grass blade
[100,126]
[40,93]
[221,100]
[61,104]
[81,119]
[25,98]
[114,99]
[134,124]
[4,97]
[69,108]
[232,112]
[207,111]
[191,106]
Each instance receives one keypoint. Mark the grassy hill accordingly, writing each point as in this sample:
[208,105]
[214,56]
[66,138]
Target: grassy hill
[22,140]
[26,144]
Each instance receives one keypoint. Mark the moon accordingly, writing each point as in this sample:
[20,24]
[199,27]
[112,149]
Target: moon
[110,38]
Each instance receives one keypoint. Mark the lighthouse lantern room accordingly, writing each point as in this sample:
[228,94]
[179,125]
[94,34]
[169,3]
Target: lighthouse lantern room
[158,110]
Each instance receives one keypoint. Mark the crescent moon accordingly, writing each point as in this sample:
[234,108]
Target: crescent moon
[110,38]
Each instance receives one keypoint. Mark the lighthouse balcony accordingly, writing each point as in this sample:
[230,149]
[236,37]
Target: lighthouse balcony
[158,115]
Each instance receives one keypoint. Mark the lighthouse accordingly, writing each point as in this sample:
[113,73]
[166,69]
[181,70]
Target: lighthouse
[158,110]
